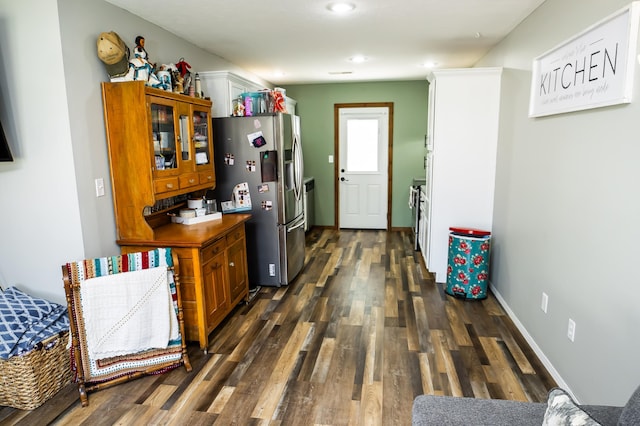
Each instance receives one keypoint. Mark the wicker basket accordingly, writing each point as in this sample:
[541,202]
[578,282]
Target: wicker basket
[27,381]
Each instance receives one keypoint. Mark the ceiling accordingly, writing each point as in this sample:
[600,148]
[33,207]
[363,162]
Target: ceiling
[301,41]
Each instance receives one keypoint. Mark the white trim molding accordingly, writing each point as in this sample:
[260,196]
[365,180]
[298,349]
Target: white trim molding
[539,353]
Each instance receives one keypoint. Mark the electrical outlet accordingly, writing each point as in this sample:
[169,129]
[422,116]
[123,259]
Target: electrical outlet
[571,330]
[272,269]
[545,302]
[99,187]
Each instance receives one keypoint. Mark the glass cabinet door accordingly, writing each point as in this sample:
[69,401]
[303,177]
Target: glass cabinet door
[183,139]
[201,140]
[164,136]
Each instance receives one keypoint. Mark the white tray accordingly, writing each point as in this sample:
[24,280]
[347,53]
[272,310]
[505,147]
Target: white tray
[194,220]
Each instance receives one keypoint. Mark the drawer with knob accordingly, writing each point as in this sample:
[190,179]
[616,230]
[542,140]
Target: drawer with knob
[212,250]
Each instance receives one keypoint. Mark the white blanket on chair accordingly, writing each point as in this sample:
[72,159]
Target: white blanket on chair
[128,312]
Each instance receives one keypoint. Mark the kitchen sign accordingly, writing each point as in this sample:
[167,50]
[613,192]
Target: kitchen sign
[592,69]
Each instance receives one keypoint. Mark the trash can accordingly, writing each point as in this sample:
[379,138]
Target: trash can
[468,264]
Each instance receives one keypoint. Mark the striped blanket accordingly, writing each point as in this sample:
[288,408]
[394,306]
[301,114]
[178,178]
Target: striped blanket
[97,369]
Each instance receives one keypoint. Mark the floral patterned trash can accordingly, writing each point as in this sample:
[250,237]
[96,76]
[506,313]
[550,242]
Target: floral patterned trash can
[468,267]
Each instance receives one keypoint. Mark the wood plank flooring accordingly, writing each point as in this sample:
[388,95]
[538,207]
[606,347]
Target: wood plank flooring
[361,332]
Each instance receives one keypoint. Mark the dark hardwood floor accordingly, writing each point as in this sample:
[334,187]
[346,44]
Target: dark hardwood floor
[361,332]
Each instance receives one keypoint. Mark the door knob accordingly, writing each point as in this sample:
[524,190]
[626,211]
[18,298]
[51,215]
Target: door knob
[344,180]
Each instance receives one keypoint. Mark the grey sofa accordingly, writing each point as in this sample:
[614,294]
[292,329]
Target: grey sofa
[430,410]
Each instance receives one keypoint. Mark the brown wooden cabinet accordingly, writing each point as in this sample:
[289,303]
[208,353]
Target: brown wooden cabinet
[161,149]
[216,288]
[160,146]
[237,266]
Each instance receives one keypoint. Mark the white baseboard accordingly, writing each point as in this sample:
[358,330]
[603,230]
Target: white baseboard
[545,361]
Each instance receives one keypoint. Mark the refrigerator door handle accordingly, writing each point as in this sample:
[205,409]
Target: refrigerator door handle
[298,175]
[296,226]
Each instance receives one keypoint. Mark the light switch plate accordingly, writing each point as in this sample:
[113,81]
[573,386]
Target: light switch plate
[99,187]
[571,330]
[545,302]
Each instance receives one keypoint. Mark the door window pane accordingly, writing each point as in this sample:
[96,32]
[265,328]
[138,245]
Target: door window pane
[362,145]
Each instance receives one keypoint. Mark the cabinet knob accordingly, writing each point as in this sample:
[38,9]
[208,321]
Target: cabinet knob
[170,185]
[192,180]
[232,264]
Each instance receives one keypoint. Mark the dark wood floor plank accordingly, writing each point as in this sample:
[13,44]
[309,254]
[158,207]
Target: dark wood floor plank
[396,381]
[361,331]
[473,365]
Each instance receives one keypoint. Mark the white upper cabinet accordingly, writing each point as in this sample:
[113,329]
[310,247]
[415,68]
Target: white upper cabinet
[223,87]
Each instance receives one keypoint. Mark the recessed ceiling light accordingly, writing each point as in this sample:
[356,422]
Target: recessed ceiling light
[341,7]
[430,64]
[358,59]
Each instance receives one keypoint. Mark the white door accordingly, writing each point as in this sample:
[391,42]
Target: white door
[362,168]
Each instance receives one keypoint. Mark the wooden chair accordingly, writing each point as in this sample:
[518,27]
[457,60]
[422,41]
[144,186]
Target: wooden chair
[93,372]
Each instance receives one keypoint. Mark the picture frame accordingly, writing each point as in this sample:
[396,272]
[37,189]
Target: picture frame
[593,69]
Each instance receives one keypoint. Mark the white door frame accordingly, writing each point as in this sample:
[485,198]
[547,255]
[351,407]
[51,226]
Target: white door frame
[336,150]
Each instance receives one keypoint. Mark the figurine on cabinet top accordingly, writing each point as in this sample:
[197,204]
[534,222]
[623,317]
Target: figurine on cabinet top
[183,67]
[141,52]
[179,80]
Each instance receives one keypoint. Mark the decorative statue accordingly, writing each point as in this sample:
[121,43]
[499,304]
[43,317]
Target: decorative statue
[183,67]
[142,68]
[179,81]
[139,50]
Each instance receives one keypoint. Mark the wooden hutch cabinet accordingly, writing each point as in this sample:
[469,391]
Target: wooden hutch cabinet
[161,151]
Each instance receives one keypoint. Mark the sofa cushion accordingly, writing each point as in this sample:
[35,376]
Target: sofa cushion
[631,412]
[563,411]
[430,410]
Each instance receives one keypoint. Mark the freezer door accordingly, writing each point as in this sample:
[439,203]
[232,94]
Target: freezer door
[292,239]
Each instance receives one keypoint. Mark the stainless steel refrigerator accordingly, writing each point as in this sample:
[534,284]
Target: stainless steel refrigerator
[258,163]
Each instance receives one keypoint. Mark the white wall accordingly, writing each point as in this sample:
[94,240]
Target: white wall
[51,109]
[566,214]
[40,212]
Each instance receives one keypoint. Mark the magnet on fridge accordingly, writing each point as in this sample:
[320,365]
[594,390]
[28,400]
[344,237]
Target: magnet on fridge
[263,188]
[259,141]
[251,166]
[256,139]
[229,159]
[267,205]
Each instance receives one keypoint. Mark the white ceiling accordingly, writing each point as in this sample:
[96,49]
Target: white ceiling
[309,44]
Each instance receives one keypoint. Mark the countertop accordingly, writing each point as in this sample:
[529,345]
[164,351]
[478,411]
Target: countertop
[196,235]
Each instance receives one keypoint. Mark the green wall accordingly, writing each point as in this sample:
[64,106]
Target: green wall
[315,108]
